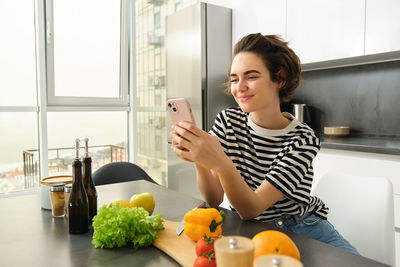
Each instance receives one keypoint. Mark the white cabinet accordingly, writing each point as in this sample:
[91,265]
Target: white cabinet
[382,30]
[397,236]
[320,30]
[359,163]
[364,164]
[251,16]
[325,33]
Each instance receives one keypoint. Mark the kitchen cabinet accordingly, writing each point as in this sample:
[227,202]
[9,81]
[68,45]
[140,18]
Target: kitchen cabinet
[325,34]
[382,29]
[266,17]
[397,246]
[364,164]
[359,163]
[320,30]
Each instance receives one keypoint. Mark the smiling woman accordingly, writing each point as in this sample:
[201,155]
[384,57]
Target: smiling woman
[256,155]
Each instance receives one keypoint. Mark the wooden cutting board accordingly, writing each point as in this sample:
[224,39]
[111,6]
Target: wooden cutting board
[181,248]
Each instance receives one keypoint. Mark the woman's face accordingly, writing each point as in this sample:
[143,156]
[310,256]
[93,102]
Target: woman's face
[251,84]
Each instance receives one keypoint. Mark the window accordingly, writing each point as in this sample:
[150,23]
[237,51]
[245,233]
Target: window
[18,149]
[17,54]
[18,110]
[83,52]
[157,22]
[87,69]
[107,133]
[65,71]
[87,54]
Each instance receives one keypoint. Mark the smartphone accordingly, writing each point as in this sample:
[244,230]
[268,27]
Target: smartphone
[179,110]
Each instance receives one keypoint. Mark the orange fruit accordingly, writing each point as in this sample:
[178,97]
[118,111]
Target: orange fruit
[274,242]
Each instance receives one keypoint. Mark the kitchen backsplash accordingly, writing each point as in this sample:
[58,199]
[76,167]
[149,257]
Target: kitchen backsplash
[366,98]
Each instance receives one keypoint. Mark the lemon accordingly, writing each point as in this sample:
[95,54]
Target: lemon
[144,200]
[123,203]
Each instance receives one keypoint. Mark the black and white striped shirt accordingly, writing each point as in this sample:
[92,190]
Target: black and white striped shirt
[282,157]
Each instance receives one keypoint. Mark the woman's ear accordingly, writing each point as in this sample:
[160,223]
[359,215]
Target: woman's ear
[281,79]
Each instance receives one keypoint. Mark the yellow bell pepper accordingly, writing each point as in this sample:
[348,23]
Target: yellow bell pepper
[200,222]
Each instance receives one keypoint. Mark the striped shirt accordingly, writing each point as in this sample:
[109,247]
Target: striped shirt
[282,157]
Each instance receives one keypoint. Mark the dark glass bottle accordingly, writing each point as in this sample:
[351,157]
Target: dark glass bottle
[78,206]
[88,183]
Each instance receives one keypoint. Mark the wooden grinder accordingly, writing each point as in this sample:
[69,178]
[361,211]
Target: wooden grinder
[272,260]
[234,251]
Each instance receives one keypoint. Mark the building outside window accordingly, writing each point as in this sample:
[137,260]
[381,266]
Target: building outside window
[150,87]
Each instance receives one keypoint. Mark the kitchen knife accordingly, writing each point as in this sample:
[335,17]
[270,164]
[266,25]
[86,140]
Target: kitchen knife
[181,226]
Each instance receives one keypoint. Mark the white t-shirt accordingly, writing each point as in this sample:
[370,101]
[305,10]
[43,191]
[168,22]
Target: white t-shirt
[282,157]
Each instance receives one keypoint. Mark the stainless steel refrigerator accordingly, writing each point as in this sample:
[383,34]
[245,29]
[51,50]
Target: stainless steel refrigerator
[198,53]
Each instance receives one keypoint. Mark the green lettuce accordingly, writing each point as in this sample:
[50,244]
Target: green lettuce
[116,226]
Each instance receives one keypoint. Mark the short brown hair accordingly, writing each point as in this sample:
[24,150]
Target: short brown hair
[282,63]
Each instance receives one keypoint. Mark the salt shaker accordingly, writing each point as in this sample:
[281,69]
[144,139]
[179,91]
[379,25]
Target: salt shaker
[234,251]
[57,199]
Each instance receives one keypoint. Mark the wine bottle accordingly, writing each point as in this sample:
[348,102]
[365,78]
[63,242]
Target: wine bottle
[88,183]
[78,207]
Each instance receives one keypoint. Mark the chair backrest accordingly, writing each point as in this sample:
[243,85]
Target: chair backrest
[362,210]
[117,172]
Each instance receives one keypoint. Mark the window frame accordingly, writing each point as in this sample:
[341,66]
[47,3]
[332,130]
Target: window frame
[68,101]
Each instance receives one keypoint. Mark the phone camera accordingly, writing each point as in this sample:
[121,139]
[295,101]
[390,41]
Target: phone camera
[174,109]
[169,105]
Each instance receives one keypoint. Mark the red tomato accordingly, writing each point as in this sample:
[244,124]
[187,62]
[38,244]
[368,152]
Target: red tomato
[204,245]
[203,261]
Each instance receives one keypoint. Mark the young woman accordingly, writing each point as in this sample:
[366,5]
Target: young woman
[259,157]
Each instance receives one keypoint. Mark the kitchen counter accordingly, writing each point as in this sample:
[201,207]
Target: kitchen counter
[31,237]
[372,144]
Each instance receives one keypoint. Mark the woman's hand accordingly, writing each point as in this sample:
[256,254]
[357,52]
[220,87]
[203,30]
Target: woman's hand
[193,144]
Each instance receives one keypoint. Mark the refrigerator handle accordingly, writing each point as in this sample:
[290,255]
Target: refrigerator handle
[204,110]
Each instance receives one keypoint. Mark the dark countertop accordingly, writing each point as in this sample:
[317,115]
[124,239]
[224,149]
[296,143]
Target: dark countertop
[31,237]
[372,144]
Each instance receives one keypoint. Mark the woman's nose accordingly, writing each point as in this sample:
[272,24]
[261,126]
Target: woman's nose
[241,85]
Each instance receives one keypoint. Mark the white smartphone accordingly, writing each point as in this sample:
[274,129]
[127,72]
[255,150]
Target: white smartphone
[179,110]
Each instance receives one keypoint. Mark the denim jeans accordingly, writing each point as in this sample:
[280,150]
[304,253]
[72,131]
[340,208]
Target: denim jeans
[316,228]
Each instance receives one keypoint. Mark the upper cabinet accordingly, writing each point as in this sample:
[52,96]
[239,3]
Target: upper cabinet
[321,30]
[382,30]
[250,16]
[325,33]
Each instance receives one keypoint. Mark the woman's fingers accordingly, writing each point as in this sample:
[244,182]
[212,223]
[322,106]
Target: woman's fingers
[179,141]
[184,133]
[192,128]
[182,153]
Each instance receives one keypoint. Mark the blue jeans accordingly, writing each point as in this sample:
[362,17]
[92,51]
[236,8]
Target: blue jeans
[316,228]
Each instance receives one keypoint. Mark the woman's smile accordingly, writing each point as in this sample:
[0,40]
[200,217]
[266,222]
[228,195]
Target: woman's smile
[244,98]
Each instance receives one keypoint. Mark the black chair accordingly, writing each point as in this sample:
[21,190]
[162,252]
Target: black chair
[118,172]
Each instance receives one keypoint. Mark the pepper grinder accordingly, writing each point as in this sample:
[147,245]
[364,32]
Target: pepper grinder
[234,251]
[275,260]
